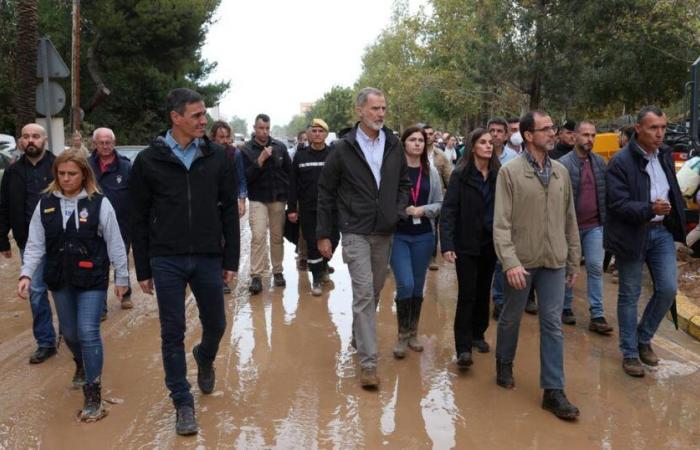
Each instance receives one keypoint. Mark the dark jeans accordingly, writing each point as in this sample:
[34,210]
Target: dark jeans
[474,274]
[79,315]
[171,275]
[42,319]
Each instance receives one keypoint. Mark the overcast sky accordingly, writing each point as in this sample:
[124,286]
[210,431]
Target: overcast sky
[277,54]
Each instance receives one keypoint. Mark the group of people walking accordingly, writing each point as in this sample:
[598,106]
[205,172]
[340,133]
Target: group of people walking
[508,216]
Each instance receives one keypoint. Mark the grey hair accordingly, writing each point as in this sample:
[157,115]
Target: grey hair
[108,130]
[364,94]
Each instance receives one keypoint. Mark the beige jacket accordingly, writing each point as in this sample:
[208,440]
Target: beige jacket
[443,166]
[533,226]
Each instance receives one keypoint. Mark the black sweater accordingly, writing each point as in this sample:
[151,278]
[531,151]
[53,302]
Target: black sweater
[303,180]
[269,183]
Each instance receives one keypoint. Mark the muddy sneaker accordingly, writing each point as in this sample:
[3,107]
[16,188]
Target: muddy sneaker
[206,377]
[316,289]
[255,285]
[647,355]
[92,409]
[464,360]
[41,354]
[555,401]
[481,346]
[633,367]
[78,376]
[279,280]
[504,375]
[567,317]
[185,423]
[369,378]
[600,325]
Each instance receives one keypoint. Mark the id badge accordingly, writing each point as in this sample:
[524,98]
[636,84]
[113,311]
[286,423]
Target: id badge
[416,220]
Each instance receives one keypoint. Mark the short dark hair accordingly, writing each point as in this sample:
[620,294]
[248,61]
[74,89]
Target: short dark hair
[264,117]
[424,162]
[583,122]
[302,132]
[425,126]
[178,99]
[513,119]
[527,121]
[498,121]
[655,110]
[628,131]
[216,126]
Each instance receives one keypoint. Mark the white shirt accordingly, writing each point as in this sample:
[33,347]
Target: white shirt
[373,149]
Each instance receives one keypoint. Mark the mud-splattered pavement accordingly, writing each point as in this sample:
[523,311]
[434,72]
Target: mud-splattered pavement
[286,379]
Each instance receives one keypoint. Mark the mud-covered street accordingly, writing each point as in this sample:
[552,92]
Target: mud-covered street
[286,379]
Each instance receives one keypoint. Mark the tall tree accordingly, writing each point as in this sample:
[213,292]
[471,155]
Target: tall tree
[25,62]
[238,125]
[335,108]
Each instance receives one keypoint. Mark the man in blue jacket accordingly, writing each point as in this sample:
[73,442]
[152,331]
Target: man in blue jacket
[644,218]
[112,174]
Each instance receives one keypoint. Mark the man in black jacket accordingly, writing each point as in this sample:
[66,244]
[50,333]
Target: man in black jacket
[567,139]
[267,166]
[303,191]
[112,174]
[22,185]
[645,215]
[366,178]
[185,230]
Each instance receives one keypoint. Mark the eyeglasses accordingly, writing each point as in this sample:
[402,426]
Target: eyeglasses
[544,129]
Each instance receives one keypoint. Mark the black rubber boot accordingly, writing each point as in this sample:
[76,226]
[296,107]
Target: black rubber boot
[504,375]
[403,319]
[92,410]
[416,305]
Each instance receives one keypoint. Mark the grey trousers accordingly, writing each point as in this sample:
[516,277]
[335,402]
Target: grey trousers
[367,257]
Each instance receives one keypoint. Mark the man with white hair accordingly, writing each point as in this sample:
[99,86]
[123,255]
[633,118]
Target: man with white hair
[112,174]
[21,188]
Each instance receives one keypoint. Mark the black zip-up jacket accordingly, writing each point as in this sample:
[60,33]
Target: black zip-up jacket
[462,215]
[179,212]
[347,182]
[114,183]
[13,199]
[269,183]
[303,180]
[629,205]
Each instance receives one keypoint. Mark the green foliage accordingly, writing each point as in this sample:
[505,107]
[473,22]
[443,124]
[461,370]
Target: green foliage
[239,125]
[8,25]
[335,107]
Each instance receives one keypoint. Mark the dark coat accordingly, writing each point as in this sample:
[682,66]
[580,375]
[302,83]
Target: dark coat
[463,214]
[269,183]
[13,194]
[629,205]
[573,164]
[347,183]
[114,183]
[303,181]
[175,211]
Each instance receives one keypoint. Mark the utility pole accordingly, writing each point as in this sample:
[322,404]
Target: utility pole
[75,69]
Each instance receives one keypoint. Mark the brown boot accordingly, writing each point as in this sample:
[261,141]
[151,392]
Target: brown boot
[415,308]
[403,310]
[633,367]
[369,378]
[647,355]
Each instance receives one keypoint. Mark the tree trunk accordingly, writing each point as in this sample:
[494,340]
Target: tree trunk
[25,62]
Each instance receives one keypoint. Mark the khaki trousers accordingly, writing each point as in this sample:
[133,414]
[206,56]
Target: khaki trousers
[264,217]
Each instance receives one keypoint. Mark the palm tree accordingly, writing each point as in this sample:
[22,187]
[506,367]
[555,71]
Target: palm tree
[25,62]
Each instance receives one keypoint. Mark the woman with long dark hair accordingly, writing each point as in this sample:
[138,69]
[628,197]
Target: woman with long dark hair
[414,239]
[466,239]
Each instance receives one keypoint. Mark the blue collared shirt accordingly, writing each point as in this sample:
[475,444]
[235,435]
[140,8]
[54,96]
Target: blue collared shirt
[185,155]
[373,149]
[508,154]
[658,183]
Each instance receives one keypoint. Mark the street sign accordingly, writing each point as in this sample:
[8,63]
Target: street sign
[55,65]
[55,102]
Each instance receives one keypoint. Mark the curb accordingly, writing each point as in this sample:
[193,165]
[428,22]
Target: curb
[688,315]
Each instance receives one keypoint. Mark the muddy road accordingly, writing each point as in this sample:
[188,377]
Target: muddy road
[286,379]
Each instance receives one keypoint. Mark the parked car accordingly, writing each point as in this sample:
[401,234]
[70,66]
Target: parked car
[130,151]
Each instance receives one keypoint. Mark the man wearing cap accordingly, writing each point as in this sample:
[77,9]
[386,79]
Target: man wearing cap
[567,139]
[303,193]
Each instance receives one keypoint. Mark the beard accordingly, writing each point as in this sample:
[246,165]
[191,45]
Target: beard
[376,126]
[32,151]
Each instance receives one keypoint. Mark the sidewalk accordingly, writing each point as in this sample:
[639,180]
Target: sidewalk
[688,298]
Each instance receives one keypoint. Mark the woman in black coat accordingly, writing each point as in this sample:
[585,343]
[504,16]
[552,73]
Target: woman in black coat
[466,238]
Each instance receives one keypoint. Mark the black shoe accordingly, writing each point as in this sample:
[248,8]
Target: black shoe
[555,401]
[497,311]
[255,285]
[600,326]
[531,306]
[481,346]
[464,360]
[633,367]
[186,424]
[279,280]
[205,373]
[41,354]
[504,375]
[227,288]
[79,376]
[567,317]
[92,409]
[647,355]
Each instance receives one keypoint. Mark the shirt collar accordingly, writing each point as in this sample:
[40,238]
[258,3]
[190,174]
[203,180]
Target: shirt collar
[172,143]
[646,155]
[362,135]
[533,162]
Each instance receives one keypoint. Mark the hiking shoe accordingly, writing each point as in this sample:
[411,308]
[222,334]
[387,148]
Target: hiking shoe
[205,373]
[647,355]
[41,354]
[464,360]
[92,409]
[186,424]
[504,375]
[555,401]
[600,325]
[497,308]
[369,378]
[633,367]
[481,346]
[567,317]
[302,264]
[316,289]
[79,375]
[255,285]
[279,280]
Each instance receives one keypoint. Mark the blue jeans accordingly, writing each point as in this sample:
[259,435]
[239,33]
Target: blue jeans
[79,313]
[592,246]
[549,286]
[171,275]
[42,318]
[660,257]
[497,287]
[410,256]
